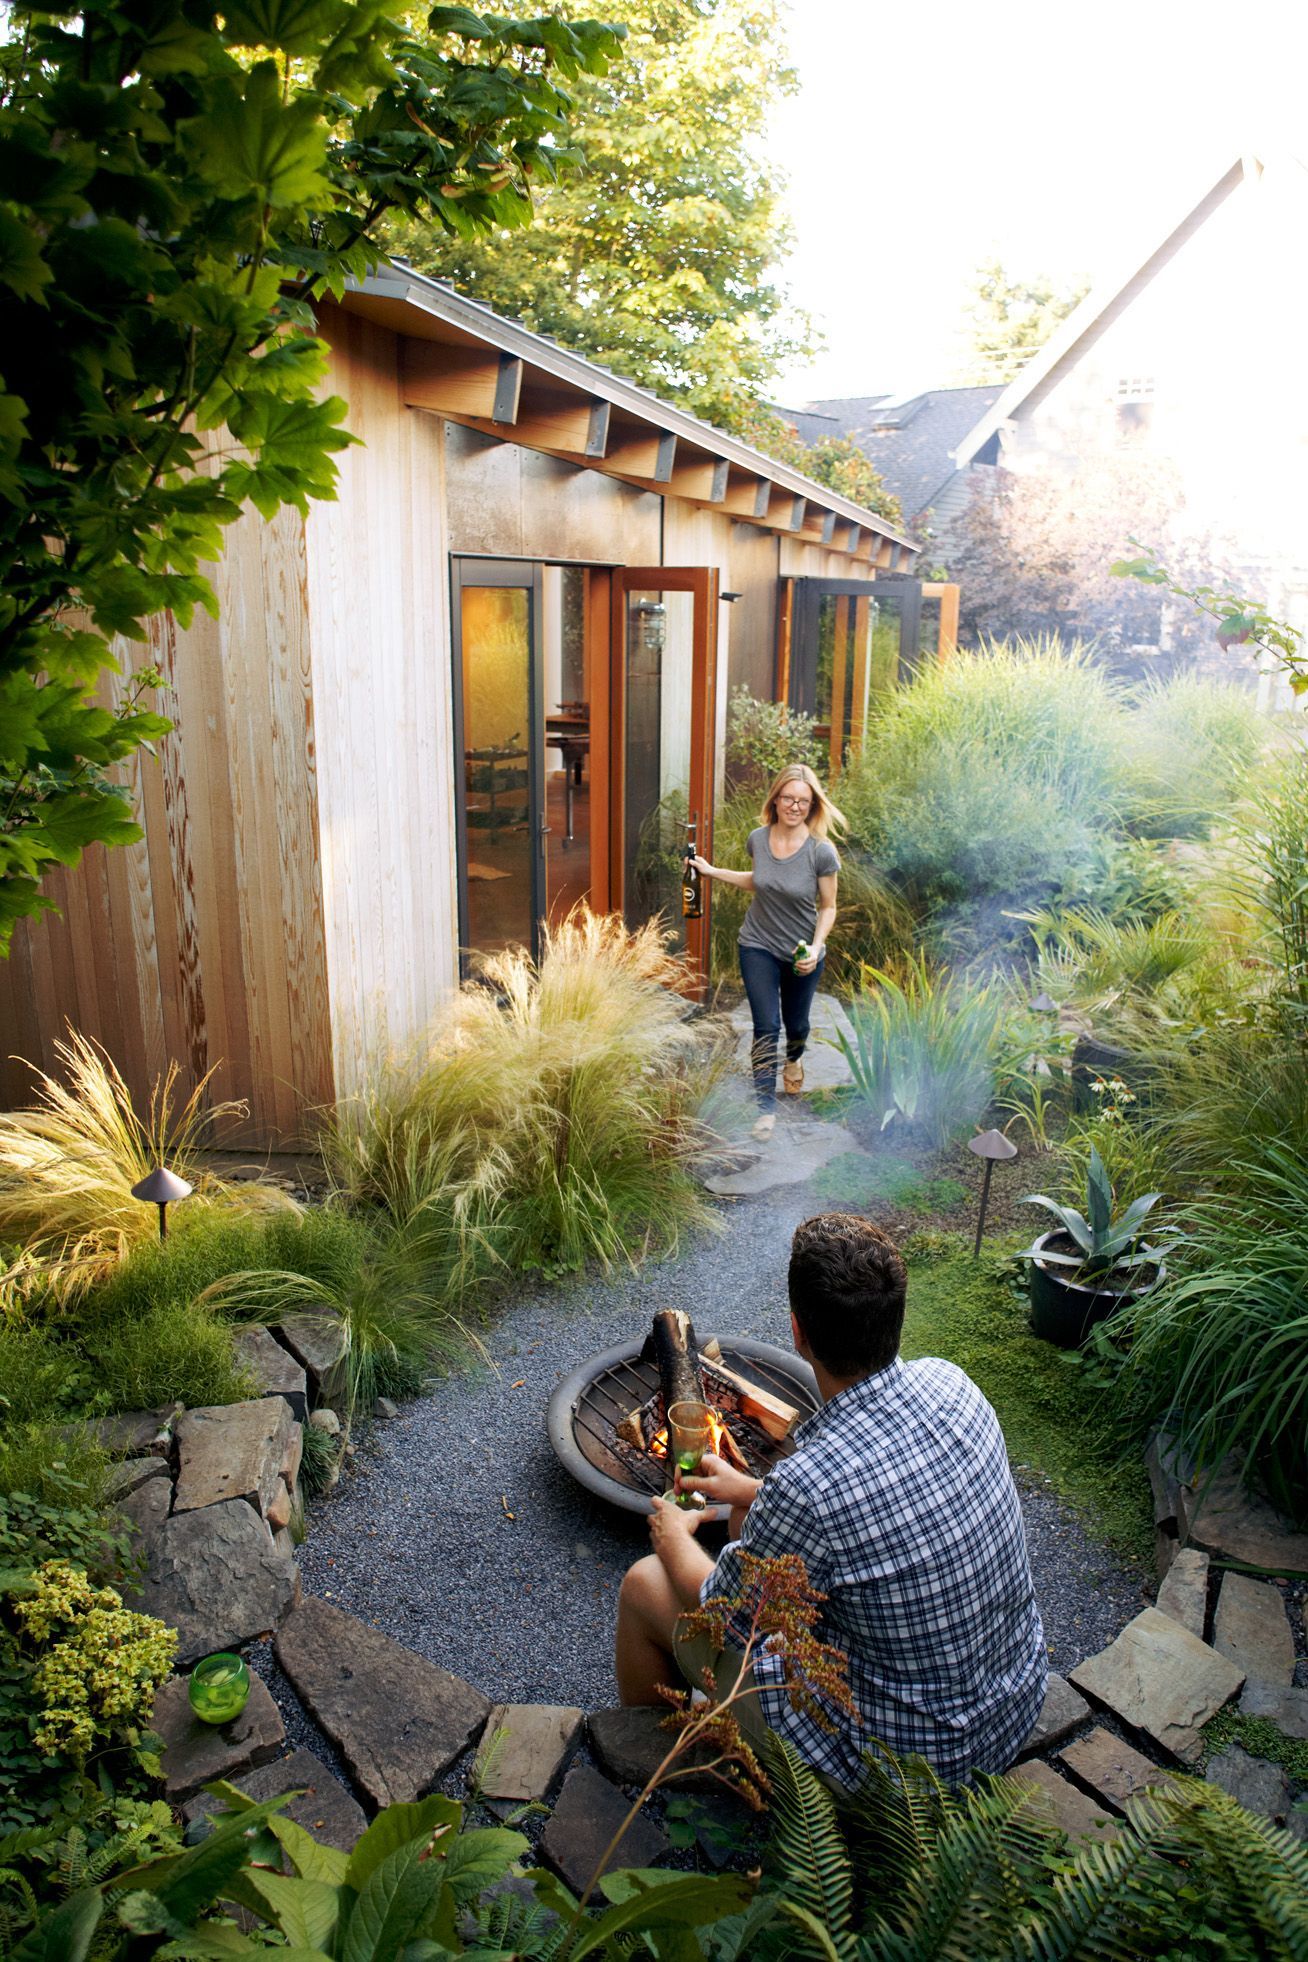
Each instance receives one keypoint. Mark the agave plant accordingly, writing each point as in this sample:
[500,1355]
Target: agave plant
[1110,1250]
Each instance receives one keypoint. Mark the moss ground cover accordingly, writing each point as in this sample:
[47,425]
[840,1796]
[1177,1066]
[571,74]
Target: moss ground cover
[967,1312]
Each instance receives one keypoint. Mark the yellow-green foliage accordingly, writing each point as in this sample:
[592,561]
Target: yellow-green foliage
[68,1164]
[100,1664]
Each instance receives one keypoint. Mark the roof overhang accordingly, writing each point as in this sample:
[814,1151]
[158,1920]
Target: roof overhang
[463,361]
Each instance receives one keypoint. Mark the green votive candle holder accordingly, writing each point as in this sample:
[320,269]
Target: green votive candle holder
[218,1688]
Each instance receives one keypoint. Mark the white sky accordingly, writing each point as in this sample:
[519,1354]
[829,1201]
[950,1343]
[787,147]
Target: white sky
[931,135]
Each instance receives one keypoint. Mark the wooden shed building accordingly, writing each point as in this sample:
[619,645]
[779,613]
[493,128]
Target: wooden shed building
[486,682]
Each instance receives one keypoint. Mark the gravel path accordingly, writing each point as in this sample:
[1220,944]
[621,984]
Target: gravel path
[418,1538]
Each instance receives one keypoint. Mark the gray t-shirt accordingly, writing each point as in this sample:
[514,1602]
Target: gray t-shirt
[784,908]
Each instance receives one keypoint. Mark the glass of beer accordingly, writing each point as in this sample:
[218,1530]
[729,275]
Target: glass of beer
[690,1432]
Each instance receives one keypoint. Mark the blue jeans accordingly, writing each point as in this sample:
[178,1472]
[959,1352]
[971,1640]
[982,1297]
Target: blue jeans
[776,995]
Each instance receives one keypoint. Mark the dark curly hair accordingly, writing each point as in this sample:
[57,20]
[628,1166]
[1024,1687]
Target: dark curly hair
[847,1284]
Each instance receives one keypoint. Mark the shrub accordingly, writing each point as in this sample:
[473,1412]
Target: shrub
[926,1049]
[1190,745]
[762,737]
[71,1526]
[41,1376]
[52,1464]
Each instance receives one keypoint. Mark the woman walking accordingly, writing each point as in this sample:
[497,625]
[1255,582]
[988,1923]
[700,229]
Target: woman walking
[784,934]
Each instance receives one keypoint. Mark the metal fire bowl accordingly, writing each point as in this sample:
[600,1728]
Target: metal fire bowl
[778,1370]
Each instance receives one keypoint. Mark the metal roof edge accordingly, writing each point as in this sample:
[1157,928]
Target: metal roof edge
[431,296]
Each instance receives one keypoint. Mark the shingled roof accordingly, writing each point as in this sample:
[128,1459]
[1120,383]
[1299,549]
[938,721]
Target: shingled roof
[909,439]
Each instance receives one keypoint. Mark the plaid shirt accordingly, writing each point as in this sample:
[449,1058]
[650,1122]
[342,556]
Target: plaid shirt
[900,1501]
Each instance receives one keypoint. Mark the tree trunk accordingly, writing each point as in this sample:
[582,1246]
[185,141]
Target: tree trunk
[672,1340]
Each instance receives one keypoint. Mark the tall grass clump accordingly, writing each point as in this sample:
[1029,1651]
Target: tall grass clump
[1191,744]
[552,1115]
[68,1164]
[990,773]
[927,1048]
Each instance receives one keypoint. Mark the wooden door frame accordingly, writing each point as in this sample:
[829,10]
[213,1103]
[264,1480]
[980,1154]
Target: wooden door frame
[702,582]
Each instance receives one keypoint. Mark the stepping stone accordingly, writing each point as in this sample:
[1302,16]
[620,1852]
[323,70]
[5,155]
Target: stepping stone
[1060,1714]
[1184,1592]
[792,1155]
[630,1745]
[1286,1708]
[824,1066]
[194,1753]
[1259,1787]
[398,1721]
[324,1808]
[124,1478]
[318,1339]
[1251,1627]
[524,1748]
[137,1433]
[1112,1770]
[1161,1679]
[1227,1520]
[232,1451]
[1058,1802]
[216,1577]
[274,1369]
[588,1813]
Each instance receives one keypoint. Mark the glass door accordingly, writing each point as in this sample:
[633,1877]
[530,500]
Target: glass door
[664,690]
[852,641]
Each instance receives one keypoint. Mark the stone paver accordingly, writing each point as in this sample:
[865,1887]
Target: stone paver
[1060,1714]
[216,1577]
[1160,1679]
[524,1749]
[824,1066]
[1168,1470]
[317,1339]
[194,1753]
[324,1808]
[232,1451]
[1286,1708]
[1113,1771]
[1258,1785]
[1183,1593]
[629,1745]
[1063,1804]
[143,1511]
[796,1150]
[274,1369]
[1222,1518]
[137,1433]
[399,1722]
[1250,1626]
[588,1813]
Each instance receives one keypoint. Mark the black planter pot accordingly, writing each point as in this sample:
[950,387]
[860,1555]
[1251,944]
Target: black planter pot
[1064,1312]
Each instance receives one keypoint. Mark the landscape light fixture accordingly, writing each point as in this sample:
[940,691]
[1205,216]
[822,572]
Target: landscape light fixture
[161,1189]
[992,1146]
[1044,1004]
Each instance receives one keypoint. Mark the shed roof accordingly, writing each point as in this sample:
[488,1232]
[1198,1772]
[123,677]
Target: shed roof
[466,362]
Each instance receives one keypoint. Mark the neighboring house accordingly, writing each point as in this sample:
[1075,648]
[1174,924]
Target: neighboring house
[1189,355]
[488,681]
[910,440]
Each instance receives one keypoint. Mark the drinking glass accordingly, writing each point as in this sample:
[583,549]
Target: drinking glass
[689,1435]
[218,1688]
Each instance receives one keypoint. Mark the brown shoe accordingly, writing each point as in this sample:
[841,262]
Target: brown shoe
[792,1078]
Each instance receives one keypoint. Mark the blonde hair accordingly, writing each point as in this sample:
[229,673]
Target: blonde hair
[823,819]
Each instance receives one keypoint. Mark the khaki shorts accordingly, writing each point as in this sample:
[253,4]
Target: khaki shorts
[695,1654]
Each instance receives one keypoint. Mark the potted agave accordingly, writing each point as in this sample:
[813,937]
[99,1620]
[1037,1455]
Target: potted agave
[1086,1266]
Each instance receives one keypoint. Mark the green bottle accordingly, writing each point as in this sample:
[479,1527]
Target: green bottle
[803,952]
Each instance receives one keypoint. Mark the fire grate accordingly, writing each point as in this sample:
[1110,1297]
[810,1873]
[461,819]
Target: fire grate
[586,1409]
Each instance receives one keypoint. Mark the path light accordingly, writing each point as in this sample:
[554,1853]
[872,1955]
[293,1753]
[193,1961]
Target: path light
[1044,1004]
[992,1146]
[161,1189]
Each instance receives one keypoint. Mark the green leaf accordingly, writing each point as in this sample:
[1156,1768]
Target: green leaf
[298,26]
[476,1859]
[417,1819]
[252,144]
[459,20]
[393,1905]
[67,1934]
[305,1911]
[310,1857]
[689,1900]
[23,267]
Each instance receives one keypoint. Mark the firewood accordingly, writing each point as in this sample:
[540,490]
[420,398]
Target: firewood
[778,1419]
[673,1342]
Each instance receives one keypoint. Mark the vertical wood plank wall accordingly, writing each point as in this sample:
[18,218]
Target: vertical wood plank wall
[203,944]
[379,600]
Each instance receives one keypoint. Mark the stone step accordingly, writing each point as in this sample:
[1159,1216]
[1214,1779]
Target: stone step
[1058,1802]
[1183,1593]
[1286,1708]
[1111,1770]
[324,1808]
[1062,1712]
[524,1749]
[1162,1680]
[588,1813]
[195,1753]
[398,1721]
[1250,1626]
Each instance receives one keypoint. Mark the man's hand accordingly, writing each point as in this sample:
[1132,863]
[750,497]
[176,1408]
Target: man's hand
[720,1483]
[668,1524]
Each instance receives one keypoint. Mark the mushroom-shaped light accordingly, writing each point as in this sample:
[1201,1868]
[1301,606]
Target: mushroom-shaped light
[993,1146]
[161,1189]
[1044,1004]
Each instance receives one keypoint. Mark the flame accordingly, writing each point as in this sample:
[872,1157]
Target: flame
[717,1430]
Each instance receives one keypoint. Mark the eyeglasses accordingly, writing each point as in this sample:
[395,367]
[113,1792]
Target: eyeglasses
[796,803]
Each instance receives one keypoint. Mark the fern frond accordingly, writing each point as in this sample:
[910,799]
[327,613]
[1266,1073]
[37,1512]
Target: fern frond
[807,1846]
[1261,1872]
[974,1896]
[894,1820]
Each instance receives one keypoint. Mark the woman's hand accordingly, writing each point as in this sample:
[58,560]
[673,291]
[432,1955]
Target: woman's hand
[702,866]
[718,1482]
[807,967]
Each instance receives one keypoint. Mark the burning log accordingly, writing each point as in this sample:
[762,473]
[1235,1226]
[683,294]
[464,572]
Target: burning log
[778,1419]
[672,1345]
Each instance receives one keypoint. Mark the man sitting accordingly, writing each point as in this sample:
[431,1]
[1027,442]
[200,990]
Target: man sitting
[899,1499]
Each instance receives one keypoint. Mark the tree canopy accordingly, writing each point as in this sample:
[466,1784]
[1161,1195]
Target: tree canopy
[176,187]
[658,259]
[1010,319]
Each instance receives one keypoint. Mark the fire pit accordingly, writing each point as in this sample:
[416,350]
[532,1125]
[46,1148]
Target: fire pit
[614,1398]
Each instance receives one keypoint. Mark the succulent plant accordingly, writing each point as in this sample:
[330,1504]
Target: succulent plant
[1110,1250]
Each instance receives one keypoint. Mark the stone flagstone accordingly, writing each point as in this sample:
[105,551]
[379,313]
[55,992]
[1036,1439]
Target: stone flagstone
[194,1754]
[524,1748]
[1183,1593]
[124,1478]
[318,1339]
[796,1150]
[1113,1771]
[216,1577]
[630,1745]
[1250,1626]
[398,1720]
[1286,1708]
[137,1433]
[1160,1679]
[324,1808]
[1259,1787]
[1060,1714]
[274,1369]
[824,1066]
[588,1813]
[1059,1802]
[232,1451]
[1224,1519]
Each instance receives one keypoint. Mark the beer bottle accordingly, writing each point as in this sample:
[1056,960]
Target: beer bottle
[692,893]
